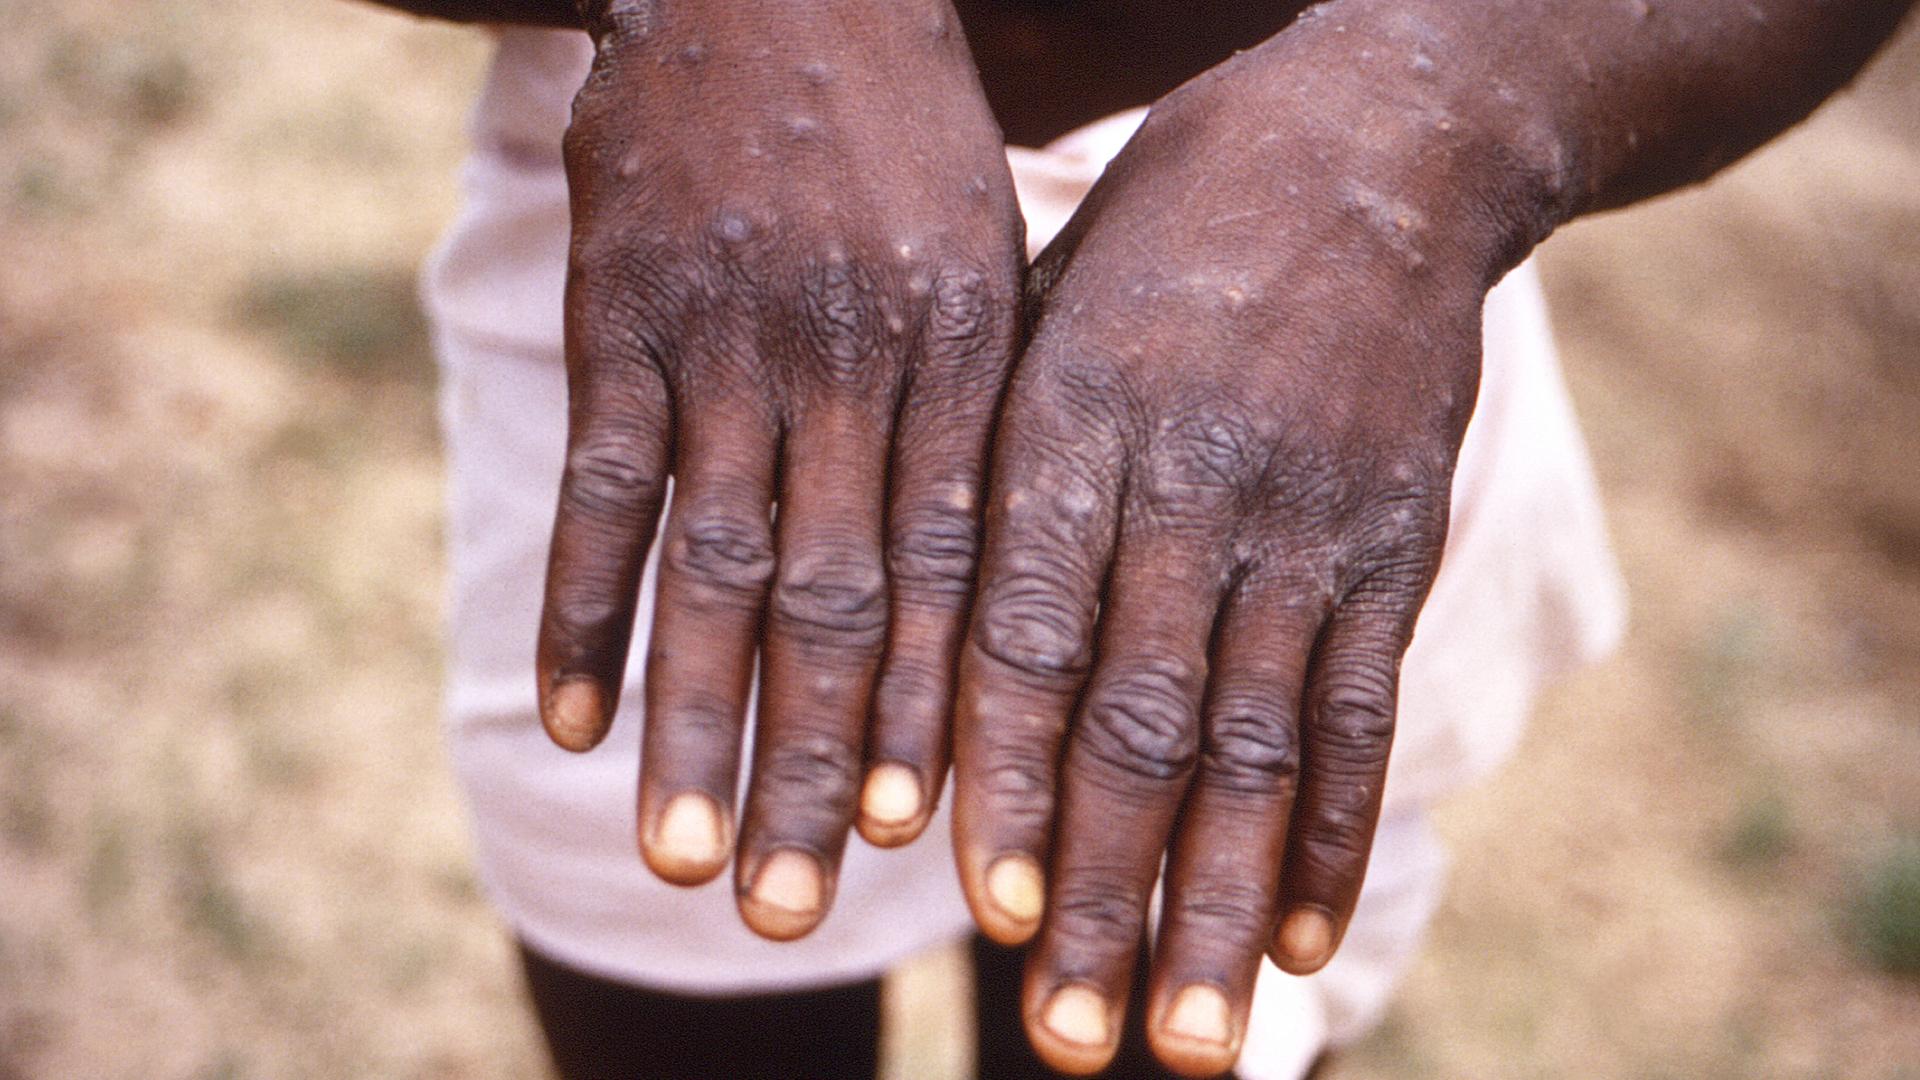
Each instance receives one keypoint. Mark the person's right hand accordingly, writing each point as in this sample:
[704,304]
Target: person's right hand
[794,275]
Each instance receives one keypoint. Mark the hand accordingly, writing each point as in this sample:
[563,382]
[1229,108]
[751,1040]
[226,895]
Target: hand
[794,276]
[1219,495]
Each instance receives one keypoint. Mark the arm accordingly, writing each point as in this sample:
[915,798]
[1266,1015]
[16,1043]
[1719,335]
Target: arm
[1222,471]
[1584,105]
[561,14]
[793,278]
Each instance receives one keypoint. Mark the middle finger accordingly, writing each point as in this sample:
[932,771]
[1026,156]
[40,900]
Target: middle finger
[1128,761]
[826,624]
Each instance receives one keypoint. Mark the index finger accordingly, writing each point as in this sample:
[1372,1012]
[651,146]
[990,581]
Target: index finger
[1050,533]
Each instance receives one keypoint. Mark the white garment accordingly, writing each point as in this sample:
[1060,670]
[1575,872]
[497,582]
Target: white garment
[1526,591]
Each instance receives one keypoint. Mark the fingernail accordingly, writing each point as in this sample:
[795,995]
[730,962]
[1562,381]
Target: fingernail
[1306,937]
[575,713]
[1016,887]
[1077,1014]
[690,832]
[790,881]
[1199,1012]
[891,795]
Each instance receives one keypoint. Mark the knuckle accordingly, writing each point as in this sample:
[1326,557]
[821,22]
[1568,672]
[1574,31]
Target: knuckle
[1336,839]
[615,260]
[811,770]
[969,316]
[835,591]
[697,720]
[838,322]
[1405,533]
[1018,784]
[587,610]
[1098,910]
[1304,481]
[1224,906]
[628,299]
[1141,721]
[1031,622]
[960,305]
[1251,743]
[1356,709]
[722,550]
[606,254]
[933,549]
[910,690]
[611,476]
[1202,467]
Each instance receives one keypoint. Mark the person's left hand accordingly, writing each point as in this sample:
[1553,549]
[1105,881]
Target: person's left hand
[1219,496]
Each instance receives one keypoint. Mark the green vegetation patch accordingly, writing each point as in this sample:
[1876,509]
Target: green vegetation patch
[360,322]
[1887,910]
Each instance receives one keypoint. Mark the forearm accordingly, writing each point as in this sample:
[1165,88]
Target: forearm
[554,13]
[1550,109]
[1633,98]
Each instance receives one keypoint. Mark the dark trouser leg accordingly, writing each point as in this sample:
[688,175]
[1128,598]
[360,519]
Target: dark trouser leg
[598,1029]
[1004,1051]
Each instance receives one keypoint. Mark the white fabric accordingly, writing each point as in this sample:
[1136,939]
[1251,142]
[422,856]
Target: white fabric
[1527,590]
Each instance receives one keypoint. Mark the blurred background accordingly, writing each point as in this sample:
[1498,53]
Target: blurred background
[229,846]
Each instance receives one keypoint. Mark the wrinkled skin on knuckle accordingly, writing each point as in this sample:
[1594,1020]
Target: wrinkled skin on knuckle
[1334,524]
[1095,912]
[607,478]
[910,688]
[1084,392]
[582,610]
[962,317]
[1333,843]
[1018,780]
[722,551]
[832,594]
[1251,743]
[841,329]
[809,774]
[1195,475]
[1031,622]
[1307,483]
[628,300]
[1398,543]
[1417,478]
[932,550]
[1354,730]
[1139,720]
[971,325]
[702,720]
[1223,909]
[1035,608]
[1214,439]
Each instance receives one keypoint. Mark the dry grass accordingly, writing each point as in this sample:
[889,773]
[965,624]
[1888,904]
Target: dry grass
[228,843]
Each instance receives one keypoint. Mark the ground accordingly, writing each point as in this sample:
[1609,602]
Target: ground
[229,846]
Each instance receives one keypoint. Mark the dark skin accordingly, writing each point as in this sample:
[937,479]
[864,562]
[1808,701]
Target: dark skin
[1171,622]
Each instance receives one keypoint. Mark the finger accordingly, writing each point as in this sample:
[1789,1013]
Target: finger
[1223,877]
[716,561]
[933,539]
[1050,532]
[618,428]
[1346,733]
[1130,755]
[826,622]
